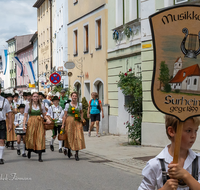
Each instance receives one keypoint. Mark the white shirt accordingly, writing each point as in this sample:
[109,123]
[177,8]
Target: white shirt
[79,106]
[61,115]
[42,107]
[54,112]
[153,173]
[24,102]
[45,104]
[18,118]
[16,103]
[6,108]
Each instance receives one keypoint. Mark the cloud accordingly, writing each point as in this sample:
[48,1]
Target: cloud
[17,17]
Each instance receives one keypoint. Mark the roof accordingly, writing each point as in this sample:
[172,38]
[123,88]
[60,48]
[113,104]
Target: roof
[23,49]
[34,37]
[38,3]
[13,38]
[193,70]
[177,59]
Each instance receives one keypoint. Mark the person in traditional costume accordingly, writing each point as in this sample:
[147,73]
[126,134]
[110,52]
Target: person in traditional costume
[54,112]
[43,100]
[72,123]
[11,136]
[35,132]
[16,101]
[18,122]
[28,99]
[4,109]
[24,99]
[63,98]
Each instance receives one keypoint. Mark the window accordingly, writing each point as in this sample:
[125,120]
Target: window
[180,1]
[188,81]
[75,42]
[86,39]
[98,34]
[195,81]
[119,12]
[134,9]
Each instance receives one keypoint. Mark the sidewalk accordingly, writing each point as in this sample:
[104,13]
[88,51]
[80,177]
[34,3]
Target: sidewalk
[115,149]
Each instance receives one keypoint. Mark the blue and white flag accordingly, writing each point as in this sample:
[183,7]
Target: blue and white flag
[5,60]
[17,61]
[31,73]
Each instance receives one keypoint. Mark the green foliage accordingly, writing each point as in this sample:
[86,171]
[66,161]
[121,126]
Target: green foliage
[167,88]
[164,76]
[135,130]
[85,108]
[131,85]
[59,88]
[177,91]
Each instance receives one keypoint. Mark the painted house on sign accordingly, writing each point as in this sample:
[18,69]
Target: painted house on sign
[187,79]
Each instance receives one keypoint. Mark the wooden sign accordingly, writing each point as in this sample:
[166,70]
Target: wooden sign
[176,76]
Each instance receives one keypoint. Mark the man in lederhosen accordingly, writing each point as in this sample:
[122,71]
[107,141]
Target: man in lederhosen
[4,108]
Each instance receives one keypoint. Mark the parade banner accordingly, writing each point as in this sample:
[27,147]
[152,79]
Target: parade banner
[176,76]
[19,64]
[30,70]
[5,60]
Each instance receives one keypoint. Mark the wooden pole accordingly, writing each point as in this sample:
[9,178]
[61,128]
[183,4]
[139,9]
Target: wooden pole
[178,141]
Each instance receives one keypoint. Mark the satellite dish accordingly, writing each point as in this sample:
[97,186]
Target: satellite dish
[69,65]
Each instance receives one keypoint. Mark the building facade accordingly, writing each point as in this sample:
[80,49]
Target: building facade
[87,39]
[124,54]
[44,26]
[25,55]
[14,44]
[60,37]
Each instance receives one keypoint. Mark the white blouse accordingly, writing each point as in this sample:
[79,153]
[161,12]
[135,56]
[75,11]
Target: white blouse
[79,106]
[42,107]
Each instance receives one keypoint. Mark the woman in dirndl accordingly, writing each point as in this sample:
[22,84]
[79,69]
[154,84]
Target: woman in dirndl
[72,123]
[35,132]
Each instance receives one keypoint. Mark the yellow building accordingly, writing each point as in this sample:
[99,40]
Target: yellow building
[87,43]
[44,25]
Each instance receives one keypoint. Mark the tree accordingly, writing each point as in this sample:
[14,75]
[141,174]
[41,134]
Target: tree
[164,76]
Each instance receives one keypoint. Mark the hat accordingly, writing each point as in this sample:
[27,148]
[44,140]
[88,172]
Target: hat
[16,93]
[55,98]
[28,93]
[24,92]
[9,92]
[3,94]
[63,91]
[41,93]
[21,106]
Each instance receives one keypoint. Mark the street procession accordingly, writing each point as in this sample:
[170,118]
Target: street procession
[28,116]
[99,94]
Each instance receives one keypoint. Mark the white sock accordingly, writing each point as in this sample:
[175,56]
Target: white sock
[60,144]
[1,151]
[18,146]
[23,148]
[52,141]
[64,148]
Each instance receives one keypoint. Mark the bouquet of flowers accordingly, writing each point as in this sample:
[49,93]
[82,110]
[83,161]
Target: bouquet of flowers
[76,114]
[55,122]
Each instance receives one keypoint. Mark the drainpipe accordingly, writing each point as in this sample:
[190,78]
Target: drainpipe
[51,52]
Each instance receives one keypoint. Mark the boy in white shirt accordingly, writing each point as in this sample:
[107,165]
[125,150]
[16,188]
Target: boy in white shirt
[54,112]
[19,117]
[188,168]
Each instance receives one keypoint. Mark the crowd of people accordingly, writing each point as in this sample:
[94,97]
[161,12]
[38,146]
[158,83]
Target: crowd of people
[23,119]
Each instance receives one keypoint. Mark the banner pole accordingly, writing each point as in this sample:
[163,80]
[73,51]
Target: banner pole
[179,131]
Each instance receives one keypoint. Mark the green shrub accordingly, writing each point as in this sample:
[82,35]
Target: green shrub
[177,91]
[85,108]
[167,88]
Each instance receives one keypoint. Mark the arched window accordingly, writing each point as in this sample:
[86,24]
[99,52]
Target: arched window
[195,81]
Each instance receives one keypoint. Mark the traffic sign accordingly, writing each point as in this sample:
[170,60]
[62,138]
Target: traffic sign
[55,78]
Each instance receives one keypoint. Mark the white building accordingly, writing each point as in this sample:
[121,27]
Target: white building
[60,33]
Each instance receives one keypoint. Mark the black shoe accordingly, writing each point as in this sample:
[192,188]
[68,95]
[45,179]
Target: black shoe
[60,150]
[24,155]
[76,157]
[40,160]
[7,144]
[29,154]
[65,152]
[1,161]
[12,148]
[51,147]
[18,152]
[40,157]
[69,153]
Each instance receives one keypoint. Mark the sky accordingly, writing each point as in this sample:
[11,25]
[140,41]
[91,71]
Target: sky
[17,17]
